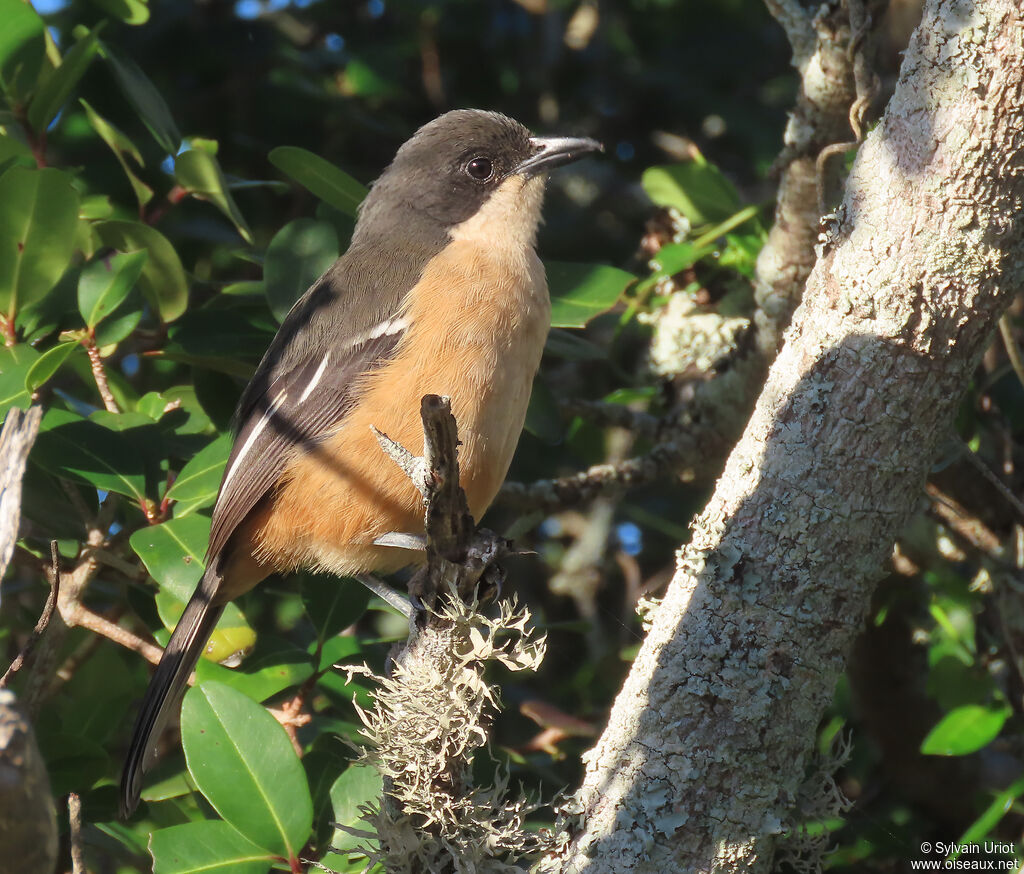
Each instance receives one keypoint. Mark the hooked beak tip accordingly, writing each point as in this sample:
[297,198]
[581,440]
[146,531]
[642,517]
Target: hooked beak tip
[554,152]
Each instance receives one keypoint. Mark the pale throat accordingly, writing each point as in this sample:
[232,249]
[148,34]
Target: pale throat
[508,219]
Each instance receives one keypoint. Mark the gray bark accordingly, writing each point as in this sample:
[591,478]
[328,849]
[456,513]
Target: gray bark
[708,741]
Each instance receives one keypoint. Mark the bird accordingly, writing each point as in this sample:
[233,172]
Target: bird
[440,292]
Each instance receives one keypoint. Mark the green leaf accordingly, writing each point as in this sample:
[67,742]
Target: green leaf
[208,846]
[264,673]
[89,452]
[118,326]
[58,86]
[243,762]
[674,257]
[333,603]
[38,215]
[573,347]
[543,418]
[144,97]
[297,256]
[232,638]
[320,177]
[15,364]
[198,172]
[983,826]
[581,291]
[358,785]
[129,11]
[163,278]
[22,49]
[105,283]
[199,481]
[697,189]
[48,364]
[965,730]
[122,148]
[173,552]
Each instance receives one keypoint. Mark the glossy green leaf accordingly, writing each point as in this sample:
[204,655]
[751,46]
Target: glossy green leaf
[123,148]
[15,363]
[965,730]
[145,99]
[57,87]
[333,603]
[88,452]
[206,847]
[104,284]
[263,673]
[22,49]
[173,552]
[38,215]
[48,364]
[12,147]
[697,189]
[543,418]
[199,480]
[128,11]
[163,278]
[581,291]
[358,785]
[297,256]
[320,177]
[983,826]
[232,638]
[674,257]
[118,326]
[243,762]
[573,347]
[198,172]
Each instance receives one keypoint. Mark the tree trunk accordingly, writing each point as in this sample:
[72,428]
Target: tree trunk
[708,742]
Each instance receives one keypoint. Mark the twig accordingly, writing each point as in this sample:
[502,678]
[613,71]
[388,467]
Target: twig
[83,617]
[41,625]
[568,491]
[75,821]
[866,84]
[99,374]
[1012,349]
[999,485]
[641,423]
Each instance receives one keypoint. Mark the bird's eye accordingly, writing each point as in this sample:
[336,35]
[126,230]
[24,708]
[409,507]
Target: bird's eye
[480,169]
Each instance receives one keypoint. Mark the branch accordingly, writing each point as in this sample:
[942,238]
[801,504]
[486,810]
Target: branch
[41,624]
[28,820]
[16,439]
[707,741]
[434,816]
[99,375]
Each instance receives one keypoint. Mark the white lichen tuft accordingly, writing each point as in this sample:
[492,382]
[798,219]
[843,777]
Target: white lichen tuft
[688,339]
[428,719]
[805,842]
[646,607]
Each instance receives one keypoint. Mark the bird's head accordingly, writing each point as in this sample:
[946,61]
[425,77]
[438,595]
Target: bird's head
[468,173]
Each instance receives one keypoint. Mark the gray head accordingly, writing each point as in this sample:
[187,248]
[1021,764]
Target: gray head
[454,167]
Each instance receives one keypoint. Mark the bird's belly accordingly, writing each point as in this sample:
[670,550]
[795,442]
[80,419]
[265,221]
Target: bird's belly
[350,492]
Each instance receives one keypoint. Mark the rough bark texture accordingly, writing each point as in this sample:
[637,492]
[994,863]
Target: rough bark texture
[821,117]
[708,741]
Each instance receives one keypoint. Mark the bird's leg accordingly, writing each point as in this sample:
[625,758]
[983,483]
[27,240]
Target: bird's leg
[383,591]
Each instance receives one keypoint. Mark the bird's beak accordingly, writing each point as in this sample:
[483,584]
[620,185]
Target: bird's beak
[550,152]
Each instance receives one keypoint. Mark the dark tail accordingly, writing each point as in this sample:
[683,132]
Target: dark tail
[168,684]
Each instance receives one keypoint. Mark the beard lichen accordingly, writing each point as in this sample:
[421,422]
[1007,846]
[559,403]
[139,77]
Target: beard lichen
[429,717]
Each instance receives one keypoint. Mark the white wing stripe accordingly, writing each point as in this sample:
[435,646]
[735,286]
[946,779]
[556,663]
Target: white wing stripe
[308,390]
[256,431]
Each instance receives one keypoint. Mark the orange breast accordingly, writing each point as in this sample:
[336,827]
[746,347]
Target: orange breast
[477,330]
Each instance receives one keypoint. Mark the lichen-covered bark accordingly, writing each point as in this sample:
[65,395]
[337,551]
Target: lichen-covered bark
[707,743]
[820,117]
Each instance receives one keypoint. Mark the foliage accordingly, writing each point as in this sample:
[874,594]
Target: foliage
[160,211]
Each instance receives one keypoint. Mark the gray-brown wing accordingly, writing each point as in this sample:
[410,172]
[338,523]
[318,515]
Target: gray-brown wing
[292,401]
